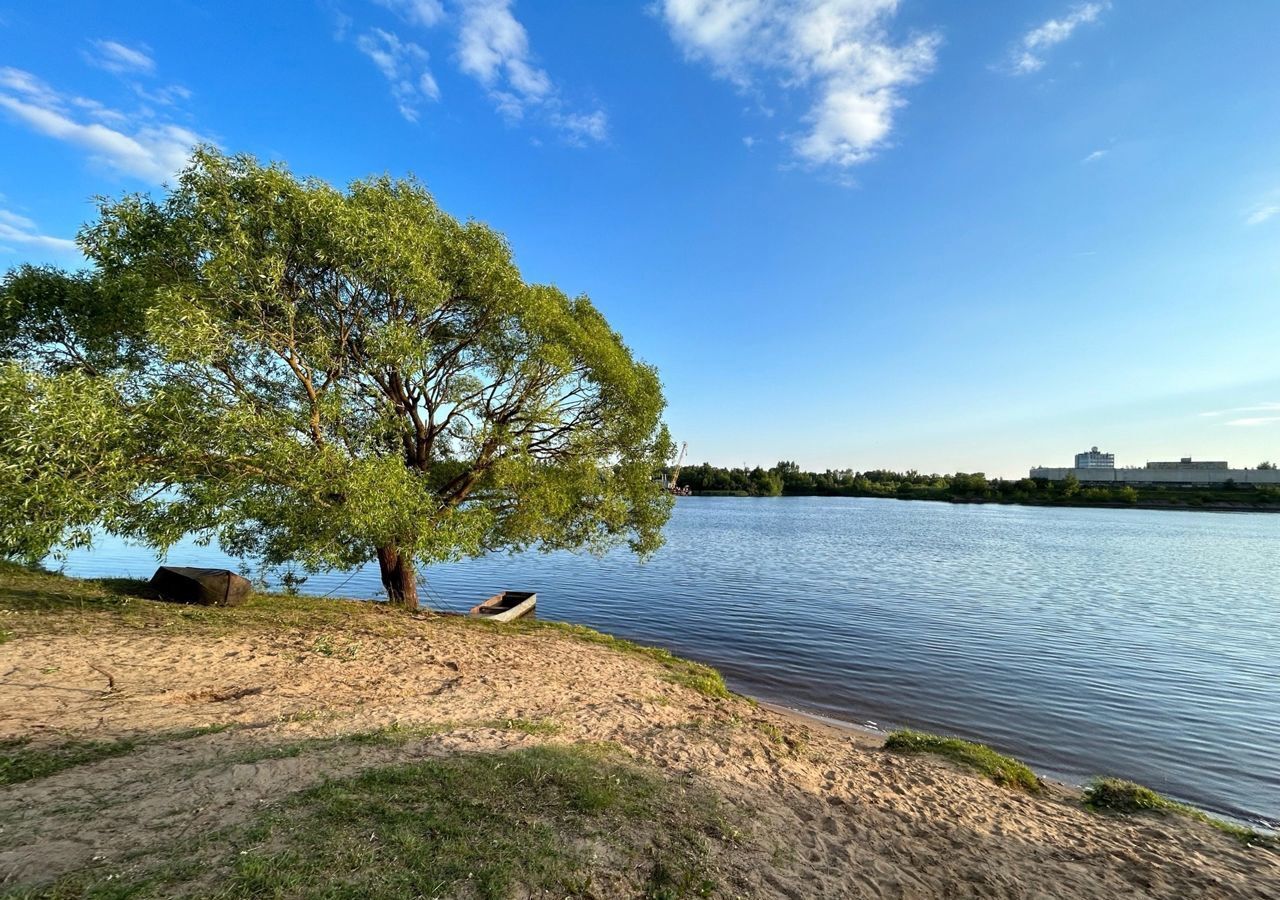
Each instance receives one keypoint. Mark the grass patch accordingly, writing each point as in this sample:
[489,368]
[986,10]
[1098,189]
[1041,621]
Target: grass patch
[565,822]
[1003,770]
[19,761]
[1115,795]
[794,744]
[491,825]
[39,602]
[528,726]
[390,736]
[325,646]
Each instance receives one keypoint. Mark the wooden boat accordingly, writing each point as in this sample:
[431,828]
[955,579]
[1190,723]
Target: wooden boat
[507,606]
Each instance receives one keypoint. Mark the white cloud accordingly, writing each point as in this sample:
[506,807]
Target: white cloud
[120,58]
[20,82]
[1094,156]
[134,145]
[404,65]
[170,95]
[493,48]
[1028,54]
[583,127]
[426,13]
[838,50]
[1257,407]
[1254,421]
[1261,213]
[20,230]
[749,142]
[131,64]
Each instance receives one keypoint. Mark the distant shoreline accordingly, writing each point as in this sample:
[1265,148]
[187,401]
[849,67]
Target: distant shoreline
[1174,506]
[1211,506]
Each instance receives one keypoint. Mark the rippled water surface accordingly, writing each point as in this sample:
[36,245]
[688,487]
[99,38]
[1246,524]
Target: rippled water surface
[1127,642]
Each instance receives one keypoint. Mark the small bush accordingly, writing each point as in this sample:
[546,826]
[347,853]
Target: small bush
[1003,770]
[1115,795]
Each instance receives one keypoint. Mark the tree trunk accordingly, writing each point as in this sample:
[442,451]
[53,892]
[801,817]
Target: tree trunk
[398,577]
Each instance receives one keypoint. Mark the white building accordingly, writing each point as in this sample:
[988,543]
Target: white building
[1185,472]
[1187,463]
[1092,459]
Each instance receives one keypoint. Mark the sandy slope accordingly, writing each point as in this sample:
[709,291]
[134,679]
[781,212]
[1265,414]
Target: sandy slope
[833,816]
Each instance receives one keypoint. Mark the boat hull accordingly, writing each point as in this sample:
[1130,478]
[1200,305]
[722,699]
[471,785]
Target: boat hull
[506,607]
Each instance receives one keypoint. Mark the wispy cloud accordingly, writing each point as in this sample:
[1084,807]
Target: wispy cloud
[170,95]
[490,46]
[18,229]
[493,48]
[1094,157]
[135,67]
[1254,421]
[120,58]
[1261,213]
[426,13]
[139,144]
[404,65]
[836,53]
[582,128]
[1267,406]
[1027,55]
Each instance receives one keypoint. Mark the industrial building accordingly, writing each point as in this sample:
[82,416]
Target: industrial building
[1094,467]
[1092,459]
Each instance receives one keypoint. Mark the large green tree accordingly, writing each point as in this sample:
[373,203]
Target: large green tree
[318,377]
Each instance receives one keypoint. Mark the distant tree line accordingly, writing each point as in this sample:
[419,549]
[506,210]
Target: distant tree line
[786,479]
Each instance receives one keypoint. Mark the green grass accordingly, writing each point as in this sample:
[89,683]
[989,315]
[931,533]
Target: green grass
[19,761]
[1003,770]
[1115,795]
[44,601]
[562,822]
[388,736]
[771,731]
[39,602]
[491,825]
[325,646]
[544,727]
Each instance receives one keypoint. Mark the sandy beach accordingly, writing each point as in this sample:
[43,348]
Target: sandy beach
[819,810]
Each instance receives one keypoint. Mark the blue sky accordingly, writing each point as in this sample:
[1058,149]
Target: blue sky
[856,233]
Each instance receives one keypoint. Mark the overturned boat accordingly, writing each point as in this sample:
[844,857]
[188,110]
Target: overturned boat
[507,606]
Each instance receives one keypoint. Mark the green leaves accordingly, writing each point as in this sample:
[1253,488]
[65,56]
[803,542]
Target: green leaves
[308,374]
[70,459]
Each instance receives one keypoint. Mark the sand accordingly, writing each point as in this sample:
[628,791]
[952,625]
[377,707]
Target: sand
[826,812]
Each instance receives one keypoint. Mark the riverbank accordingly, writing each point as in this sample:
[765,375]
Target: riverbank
[1196,504]
[295,744]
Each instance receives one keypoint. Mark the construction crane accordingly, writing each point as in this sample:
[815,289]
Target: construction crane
[675,472]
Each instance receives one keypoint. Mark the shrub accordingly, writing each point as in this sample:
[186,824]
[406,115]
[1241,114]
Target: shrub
[1003,770]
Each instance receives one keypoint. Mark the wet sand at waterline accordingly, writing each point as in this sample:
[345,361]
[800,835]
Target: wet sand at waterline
[820,811]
